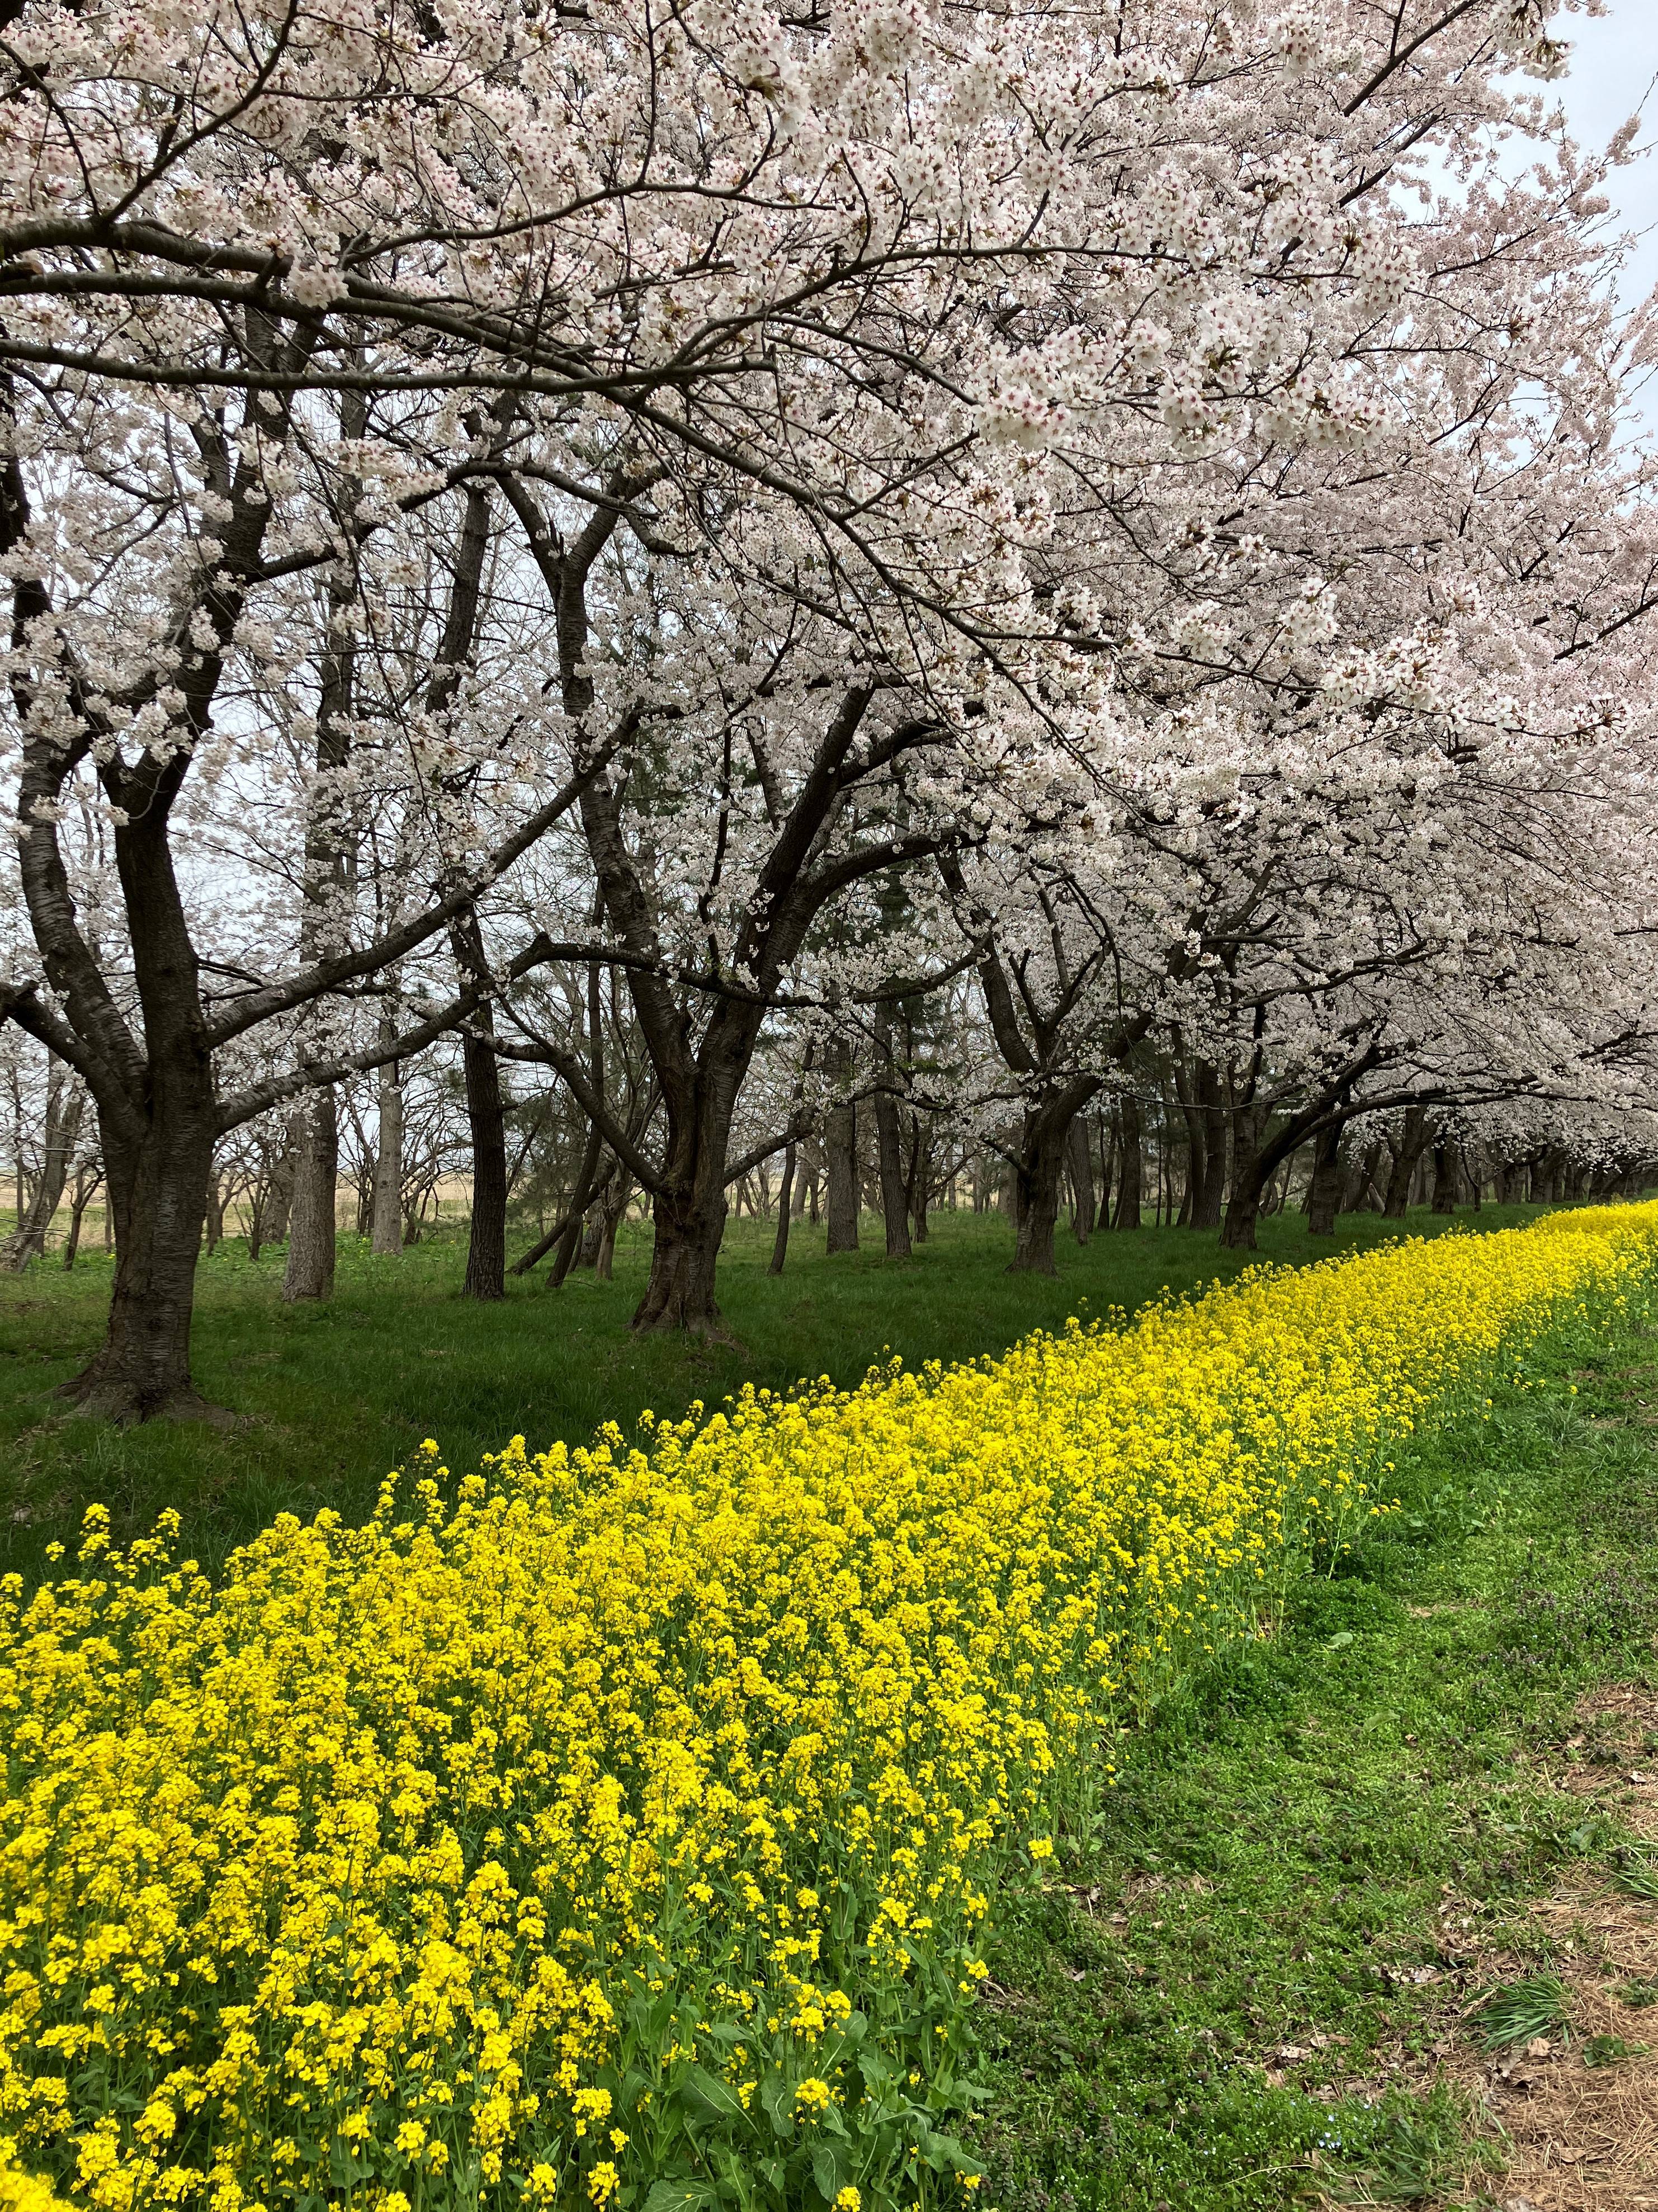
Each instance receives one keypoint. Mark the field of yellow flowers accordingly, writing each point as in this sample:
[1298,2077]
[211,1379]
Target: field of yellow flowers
[618,1827]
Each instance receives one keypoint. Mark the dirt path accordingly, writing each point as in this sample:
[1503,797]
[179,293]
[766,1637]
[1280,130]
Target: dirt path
[1576,2112]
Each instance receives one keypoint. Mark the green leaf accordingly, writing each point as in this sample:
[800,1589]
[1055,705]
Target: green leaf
[707,2090]
[827,2171]
[777,2095]
[680,2197]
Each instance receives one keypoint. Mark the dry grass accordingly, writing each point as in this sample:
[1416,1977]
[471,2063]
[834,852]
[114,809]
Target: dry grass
[1578,2137]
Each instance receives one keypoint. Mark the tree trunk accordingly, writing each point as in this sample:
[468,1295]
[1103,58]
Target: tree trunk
[918,1185]
[282,1193]
[689,1208]
[1445,1176]
[569,1243]
[889,1157]
[1250,1169]
[486,1249]
[1206,1131]
[613,1203]
[683,1256]
[1131,1168]
[780,1250]
[1412,1142]
[214,1213]
[592,1233]
[65,1105]
[309,1272]
[1044,1141]
[83,1196]
[840,1149]
[385,1236]
[1079,1159]
[156,1183]
[1324,1191]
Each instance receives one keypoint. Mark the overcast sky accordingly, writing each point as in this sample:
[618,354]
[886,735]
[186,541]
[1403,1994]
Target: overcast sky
[1614,62]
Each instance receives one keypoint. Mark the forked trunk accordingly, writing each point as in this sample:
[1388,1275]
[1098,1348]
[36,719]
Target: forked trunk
[83,1196]
[1038,1174]
[689,1211]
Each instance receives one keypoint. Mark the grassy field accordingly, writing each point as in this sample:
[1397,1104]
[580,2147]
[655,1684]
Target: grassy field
[1267,1980]
[331,1397]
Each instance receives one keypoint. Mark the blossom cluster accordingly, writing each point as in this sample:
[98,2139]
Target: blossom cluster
[630,1816]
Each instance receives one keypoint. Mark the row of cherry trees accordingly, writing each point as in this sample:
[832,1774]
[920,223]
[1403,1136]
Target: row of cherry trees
[741,565]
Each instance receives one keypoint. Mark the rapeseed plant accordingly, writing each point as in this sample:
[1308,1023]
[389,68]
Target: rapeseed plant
[617,1827]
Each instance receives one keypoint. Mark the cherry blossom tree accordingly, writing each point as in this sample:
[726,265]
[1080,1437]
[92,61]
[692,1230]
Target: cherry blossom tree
[748,454]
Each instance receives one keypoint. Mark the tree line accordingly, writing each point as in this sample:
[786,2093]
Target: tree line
[694,586]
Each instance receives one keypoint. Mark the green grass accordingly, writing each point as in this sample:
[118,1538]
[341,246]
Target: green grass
[333,1396]
[1232,1997]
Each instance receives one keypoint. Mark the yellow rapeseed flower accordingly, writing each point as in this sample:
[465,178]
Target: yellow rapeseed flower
[394,1839]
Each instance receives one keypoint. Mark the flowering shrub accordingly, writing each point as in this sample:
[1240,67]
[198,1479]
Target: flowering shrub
[618,1827]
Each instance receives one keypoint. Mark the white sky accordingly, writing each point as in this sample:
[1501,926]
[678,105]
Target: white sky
[1614,63]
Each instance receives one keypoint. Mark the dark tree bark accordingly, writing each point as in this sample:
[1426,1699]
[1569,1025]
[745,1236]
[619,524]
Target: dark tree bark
[918,1187]
[1324,1191]
[157,1177]
[840,1158]
[688,1211]
[1081,1163]
[1446,1175]
[1414,1137]
[889,1149]
[85,1187]
[1132,1170]
[780,1250]
[1201,1107]
[1253,1168]
[1358,1186]
[486,1247]
[1044,1139]
[803,872]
